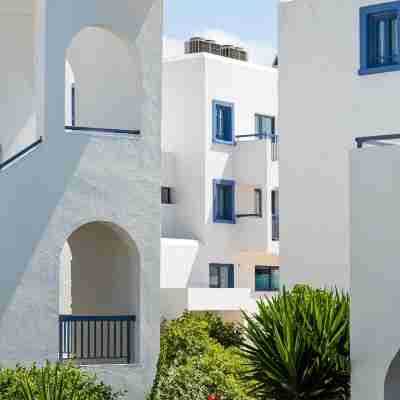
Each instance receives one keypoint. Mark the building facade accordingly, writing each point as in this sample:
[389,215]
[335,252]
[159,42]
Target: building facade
[339,74]
[80,189]
[220,219]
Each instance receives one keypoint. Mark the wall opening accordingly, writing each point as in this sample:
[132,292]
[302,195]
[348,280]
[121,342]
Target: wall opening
[392,381]
[18,26]
[100,295]
[103,86]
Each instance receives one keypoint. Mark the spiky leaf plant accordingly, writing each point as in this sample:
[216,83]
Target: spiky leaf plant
[297,346]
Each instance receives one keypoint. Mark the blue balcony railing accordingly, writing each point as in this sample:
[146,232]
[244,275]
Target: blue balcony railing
[21,153]
[97,339]
[74,128]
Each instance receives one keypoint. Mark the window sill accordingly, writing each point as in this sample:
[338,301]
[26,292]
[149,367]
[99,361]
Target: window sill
[225,221]
[226,142]
[378,70]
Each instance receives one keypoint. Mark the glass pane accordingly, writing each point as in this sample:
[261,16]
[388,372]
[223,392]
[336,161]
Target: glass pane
[214,276]
[262,279]
[275,279]
[264,125]
[224,276]
[381,41]
[394,41]
[220,122]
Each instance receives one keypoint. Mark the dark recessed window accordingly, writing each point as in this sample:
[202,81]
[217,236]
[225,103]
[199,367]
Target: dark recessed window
[275,214]
[224,202]
[222,276]
[258,207]
[223,122]
[166,195]
[379,35]
[266,279]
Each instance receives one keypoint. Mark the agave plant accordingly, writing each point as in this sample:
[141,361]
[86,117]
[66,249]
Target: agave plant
[49,383]
[297,346]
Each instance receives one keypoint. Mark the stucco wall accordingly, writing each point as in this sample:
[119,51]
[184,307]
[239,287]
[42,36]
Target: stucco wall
[75,179]
[375,252]
[17,88]
[323,105]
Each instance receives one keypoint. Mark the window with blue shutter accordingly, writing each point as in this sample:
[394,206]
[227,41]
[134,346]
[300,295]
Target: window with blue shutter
[224,201]
[222,276]
[223,122]
[380,38]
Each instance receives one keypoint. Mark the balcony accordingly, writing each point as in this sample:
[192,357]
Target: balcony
[176,301]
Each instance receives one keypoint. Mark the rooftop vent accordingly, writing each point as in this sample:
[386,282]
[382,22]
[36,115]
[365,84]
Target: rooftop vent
[201,45]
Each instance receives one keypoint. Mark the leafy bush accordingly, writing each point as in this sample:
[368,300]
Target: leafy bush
[198,359]
[53,382]
[298,347]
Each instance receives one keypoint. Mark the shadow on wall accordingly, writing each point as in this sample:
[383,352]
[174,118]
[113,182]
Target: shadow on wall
[110,94]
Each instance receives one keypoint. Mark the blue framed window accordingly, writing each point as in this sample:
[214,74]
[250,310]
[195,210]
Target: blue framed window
[223,122]
[265,125]
[222,276]
[380,38]
[224,202]
[266,279]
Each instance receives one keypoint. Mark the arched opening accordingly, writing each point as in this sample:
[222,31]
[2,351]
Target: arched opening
[18,26]
[392,381]
[103,82]
[99,295]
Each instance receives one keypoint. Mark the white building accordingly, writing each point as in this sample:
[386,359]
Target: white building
[79,207]
[220,171]
[339,79]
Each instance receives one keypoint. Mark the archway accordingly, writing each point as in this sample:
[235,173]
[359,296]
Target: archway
[104,72]
[99,295]
[392,381]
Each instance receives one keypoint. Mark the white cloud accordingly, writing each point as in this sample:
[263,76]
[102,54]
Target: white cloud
[260,52]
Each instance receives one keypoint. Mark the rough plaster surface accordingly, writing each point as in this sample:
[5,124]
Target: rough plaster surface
[72,180]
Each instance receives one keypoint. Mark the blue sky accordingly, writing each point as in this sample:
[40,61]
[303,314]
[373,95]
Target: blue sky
[251,23]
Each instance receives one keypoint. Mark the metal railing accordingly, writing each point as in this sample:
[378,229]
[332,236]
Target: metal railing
[275,228]
[21,153]
[97,339]
[75,128]
[378,140]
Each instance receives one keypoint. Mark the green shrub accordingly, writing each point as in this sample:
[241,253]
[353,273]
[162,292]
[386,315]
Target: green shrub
[298,346]
[53,382]
[199,358]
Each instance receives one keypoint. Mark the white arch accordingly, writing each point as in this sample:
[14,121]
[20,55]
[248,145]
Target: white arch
[108,79]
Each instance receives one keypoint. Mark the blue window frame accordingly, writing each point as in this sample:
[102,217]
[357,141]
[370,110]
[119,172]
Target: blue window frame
[224,202]
[265,125]
[222,276]
[380,38]
[223,122]
[266,279]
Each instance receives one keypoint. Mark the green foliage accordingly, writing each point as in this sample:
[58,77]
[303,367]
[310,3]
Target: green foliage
[53,382]
[298,347]
[198,358]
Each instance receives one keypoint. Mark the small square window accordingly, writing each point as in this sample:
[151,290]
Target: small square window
[266,279]
[379,38]
[223,122]
[166,195]
[224,201]
[222,276]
